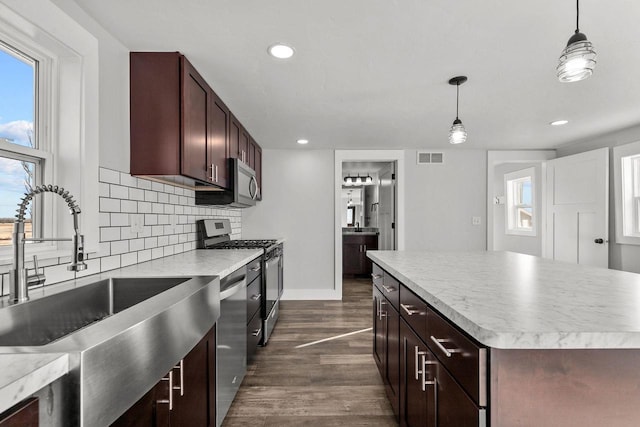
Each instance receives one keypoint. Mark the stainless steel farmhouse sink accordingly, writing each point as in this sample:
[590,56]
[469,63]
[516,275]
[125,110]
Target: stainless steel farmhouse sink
[122,335]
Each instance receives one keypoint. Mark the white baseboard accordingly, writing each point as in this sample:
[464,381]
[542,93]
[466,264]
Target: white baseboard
[311,294]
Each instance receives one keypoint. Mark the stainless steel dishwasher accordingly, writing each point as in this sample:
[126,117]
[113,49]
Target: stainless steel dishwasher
[232,339]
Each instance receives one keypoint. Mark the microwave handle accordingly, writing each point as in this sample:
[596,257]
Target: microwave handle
[253,183]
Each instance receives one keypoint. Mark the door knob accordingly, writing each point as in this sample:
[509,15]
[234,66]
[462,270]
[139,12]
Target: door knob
[599,241]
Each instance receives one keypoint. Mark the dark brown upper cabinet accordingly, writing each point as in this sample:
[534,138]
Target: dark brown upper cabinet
[179,127]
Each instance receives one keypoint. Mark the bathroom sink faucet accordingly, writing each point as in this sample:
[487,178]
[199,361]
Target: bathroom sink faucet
[19,279]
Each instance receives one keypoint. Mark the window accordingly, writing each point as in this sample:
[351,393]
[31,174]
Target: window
[627,193]
[21,160]
[520,204]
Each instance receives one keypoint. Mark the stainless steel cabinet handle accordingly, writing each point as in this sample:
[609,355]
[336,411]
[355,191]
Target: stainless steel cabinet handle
[409,311]
[216,173]
[388,289]
[254,269]
[212,177]
[382,314]
[170,400]
[256,332]
[376,276]
[181,386]
[447,351]
[425,383]
[418,353]
[256,297]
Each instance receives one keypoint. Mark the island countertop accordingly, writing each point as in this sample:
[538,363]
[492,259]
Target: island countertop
[507,300]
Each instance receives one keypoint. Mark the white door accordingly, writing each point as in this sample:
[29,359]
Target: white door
[578,208]
[386,213]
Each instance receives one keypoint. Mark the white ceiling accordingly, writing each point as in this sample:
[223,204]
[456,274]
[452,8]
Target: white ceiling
[373,73]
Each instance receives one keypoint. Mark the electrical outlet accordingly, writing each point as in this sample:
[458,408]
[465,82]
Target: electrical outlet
[475,220]
[137,223]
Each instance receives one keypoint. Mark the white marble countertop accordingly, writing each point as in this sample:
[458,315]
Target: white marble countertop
[24,374]
[514,301]
[21,375]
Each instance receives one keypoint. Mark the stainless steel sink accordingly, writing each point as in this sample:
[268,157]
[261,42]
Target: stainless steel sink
[121,334]
[44,320]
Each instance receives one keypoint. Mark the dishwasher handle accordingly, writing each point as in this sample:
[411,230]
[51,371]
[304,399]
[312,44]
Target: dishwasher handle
[233,287]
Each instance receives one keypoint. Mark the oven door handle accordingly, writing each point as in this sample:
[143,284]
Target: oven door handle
[232,290]
[273,260]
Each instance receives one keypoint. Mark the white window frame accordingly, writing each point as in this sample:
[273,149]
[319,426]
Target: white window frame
[511,209]
[66,115]
[626,161]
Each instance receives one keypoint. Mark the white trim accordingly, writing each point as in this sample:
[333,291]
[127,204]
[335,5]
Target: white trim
[366,156]
[495,158]
[70,52]
[619,153]
[311,294]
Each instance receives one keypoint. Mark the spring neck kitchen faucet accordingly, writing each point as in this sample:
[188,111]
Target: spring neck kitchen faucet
[19,279]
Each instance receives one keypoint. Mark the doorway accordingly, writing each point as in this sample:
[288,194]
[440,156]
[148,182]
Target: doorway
[369,210]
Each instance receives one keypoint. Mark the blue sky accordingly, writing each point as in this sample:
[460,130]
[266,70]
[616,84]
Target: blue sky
[16,118]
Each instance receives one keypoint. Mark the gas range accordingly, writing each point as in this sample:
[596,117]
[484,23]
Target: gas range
[216,234]
[243,244]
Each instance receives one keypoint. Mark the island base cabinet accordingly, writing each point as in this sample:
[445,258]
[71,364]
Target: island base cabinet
[429,396]
[184,397]
[386,346]
[562,387]
[24,414]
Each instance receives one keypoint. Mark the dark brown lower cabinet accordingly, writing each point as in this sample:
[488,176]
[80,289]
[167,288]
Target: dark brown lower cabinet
[184,397]
[386,346]
[429,396]
[354,253]
[24,414]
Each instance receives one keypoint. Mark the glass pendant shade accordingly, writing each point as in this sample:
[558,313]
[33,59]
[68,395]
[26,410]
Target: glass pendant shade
[457,134]
[577,60]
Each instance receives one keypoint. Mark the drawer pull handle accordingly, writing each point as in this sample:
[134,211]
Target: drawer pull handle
[388,289]
[376,276]
[425,383]
[409,310]
[256,332]
[418,353]
[447,351]
[256,297]
[254,269]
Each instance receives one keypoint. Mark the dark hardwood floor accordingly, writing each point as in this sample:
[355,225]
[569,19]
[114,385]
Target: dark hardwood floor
[333,383]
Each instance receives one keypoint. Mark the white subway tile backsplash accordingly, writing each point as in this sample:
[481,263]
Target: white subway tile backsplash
[119,219]
[167,212]
[109,176]
[119,192]
[144,255]
[129,206]
[109,205]
[110,262]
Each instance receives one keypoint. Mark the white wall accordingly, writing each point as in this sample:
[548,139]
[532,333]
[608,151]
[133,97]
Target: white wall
[298,205]
[443,198]
[113,90]
[531,245]
[621,257]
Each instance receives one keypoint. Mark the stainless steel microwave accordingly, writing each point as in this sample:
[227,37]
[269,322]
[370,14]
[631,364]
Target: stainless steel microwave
[243,192]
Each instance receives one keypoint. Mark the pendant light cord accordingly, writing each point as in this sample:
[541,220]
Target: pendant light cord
[577,16]
[457,98]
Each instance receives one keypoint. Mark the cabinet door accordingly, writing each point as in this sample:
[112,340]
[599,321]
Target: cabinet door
[351,257]
[416,410]
[196,98]
[454,408]
[217,144]
[235,127]
[190,388]
[24,414]
[393,357]
[379,331]
[243,148]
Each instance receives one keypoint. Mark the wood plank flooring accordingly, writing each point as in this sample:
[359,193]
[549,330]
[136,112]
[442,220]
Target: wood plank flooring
[333,383]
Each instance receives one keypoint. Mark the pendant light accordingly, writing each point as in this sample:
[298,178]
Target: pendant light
[457,134]
[578,59]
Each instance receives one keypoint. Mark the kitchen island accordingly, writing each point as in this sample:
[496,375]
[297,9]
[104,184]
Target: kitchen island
[559,343]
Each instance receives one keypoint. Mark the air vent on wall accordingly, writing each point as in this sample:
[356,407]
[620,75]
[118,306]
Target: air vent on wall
[425,158]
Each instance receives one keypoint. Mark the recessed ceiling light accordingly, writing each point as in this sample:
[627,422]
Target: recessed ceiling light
[559,122]
[303,141]
[281,51]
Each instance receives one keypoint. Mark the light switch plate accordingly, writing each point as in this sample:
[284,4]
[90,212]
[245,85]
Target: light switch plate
[475,220]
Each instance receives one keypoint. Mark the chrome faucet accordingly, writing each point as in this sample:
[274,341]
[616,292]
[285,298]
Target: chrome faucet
[19,279]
